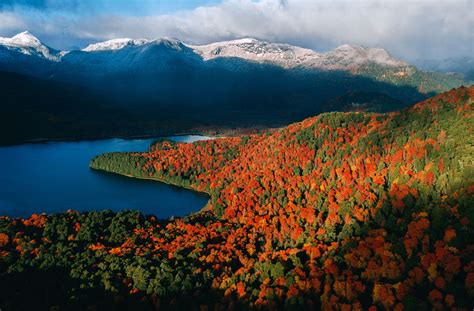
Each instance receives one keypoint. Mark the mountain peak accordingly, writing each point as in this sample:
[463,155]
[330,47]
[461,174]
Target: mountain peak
[247,40]
[26,43]
[350,47]
[344,57]
[255,50]
[25,33]
[114,44]
[352,56]
[24,38]
[120,43]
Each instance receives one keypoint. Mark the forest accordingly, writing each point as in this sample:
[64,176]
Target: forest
[341,211]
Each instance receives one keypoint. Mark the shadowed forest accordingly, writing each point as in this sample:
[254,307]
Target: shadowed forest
[75,103]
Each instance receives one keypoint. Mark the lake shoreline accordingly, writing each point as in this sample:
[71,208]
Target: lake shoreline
[206,207]
[57,177]
[215,132]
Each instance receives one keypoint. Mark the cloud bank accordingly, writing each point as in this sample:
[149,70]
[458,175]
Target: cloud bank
[409,29]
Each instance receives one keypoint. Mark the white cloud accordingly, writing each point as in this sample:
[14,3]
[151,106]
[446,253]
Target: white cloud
[10,22]
[409,29]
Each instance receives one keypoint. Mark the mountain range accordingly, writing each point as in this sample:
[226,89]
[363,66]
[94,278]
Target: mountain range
[148,84]
[343,57]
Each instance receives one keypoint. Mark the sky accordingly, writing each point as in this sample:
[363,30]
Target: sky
[408,29]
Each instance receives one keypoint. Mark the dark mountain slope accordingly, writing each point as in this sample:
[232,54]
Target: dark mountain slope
[182,95]
[33,109]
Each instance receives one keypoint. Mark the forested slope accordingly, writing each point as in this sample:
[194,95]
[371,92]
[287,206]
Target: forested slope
[340,211]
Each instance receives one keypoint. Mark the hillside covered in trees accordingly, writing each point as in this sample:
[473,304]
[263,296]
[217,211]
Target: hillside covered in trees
[345,211]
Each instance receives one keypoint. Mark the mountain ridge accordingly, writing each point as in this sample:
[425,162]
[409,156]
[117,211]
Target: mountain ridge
[289,56]
[162,79]
[146,56]
[28,44]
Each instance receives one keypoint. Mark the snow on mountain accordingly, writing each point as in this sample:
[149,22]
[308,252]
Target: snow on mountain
[348,57]
[28,44]
[118,44]
[255,50]
[344,57]
[115,44]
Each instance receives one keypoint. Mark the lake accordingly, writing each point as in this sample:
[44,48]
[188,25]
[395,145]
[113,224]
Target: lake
[55,176]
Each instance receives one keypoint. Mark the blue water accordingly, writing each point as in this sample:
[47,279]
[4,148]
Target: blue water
[55,176]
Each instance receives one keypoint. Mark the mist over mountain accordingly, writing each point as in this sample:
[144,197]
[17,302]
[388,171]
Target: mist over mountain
[462,65]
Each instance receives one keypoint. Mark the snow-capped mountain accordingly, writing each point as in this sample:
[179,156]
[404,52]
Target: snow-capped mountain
[121,43]
[131,56]
[345,57]
[259,51]
[114,44]
[28,44]
[109,85]
[150,64]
